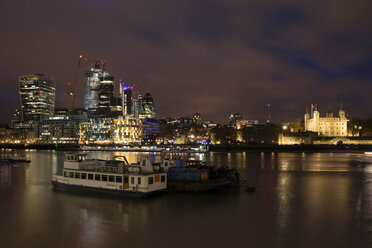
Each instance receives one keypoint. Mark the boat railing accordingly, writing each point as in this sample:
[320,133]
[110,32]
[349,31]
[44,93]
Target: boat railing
[102,168]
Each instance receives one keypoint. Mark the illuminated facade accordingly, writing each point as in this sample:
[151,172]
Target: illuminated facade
[37,93]
[245,123]
[300,138]
[59,130]
[126,98]
[137,107]
[326,126]
[148,106]
[150,129]
[121,130]
[233,118]
[196,119]
[98,89]
[106,93]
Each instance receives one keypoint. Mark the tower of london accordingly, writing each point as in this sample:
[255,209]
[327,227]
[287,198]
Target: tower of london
[326,126]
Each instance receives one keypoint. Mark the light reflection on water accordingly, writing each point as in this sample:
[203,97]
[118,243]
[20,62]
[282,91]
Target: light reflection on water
[302,199]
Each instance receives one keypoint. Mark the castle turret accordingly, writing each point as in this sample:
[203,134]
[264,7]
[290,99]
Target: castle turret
[341,113]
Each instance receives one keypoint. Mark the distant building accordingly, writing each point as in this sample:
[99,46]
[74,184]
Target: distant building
[196,119]
[5,133]
[61,112]
[120,130]
[106,93]
[298,138]
[233,118]
[137,107]
[148,106]
[126,98]
[59,130]
[150,130]
[98,90]
[239,124]
[37,93]
[326,126]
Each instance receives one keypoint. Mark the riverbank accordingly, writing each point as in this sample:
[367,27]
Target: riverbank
[290,148]
[214,148]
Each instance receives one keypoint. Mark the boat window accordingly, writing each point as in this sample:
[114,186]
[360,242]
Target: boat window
[97,177]
[77,174]
[132,180]
[126,179]
[119,179]
[139,180]
[65,174]
[83,175]
[104,178]
[111,178]
[162,178]
[71,174]
[151,180]
[90,176]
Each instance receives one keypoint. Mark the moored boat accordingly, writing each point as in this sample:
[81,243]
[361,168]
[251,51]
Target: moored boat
[109,176]
[196,176]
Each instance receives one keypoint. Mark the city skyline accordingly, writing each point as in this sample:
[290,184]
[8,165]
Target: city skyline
[215,58]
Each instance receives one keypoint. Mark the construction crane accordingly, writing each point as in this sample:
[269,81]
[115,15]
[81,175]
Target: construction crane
[73,84]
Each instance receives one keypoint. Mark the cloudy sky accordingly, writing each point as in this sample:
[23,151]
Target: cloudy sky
[213,57]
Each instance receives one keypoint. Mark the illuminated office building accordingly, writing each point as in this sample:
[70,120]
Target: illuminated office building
[98,90]
[121,130]
[196,119]
[148,107]
[37,93]
[126,98]
[106,93]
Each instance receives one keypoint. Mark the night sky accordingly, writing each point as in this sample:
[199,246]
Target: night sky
[212,57]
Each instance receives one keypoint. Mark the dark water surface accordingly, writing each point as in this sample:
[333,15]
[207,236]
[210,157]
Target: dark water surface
[301,200]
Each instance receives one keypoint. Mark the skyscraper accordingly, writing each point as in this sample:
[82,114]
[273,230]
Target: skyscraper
[91,88]
[37,93]
[106,93]
[126,98]
[98,89]
[137,108]
[148,106]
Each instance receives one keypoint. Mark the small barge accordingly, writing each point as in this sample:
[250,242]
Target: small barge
[196,176]
[109,176]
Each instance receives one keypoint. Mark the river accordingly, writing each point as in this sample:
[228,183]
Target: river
[301,200]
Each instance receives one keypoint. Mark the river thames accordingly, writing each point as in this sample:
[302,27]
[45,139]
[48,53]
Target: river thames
[301,200]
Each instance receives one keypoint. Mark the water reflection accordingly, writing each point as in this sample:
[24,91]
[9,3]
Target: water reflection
[315,162]
[302,199]
[5,175]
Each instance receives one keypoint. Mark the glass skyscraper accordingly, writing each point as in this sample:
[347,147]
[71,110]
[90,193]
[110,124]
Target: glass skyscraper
[37,93]
[98,90]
